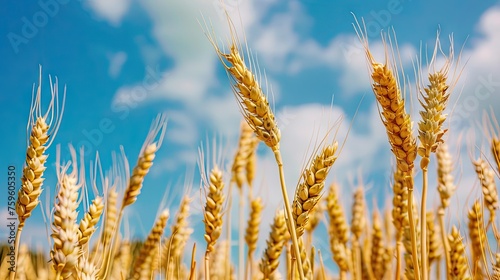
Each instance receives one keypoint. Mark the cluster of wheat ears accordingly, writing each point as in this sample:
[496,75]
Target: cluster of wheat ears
[408,242]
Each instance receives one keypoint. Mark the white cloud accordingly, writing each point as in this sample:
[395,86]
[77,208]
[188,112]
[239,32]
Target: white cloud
[116,61]
[111,10]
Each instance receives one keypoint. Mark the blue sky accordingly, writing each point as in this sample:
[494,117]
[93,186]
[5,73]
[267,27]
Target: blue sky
[125,61]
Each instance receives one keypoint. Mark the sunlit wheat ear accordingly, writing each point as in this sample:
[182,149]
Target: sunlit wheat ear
[90,219]
[338,226]
[477,235]
[180,231]
[244,151]
[486,176]
[110,217]
[271,257]
[358,220]
[446,186]
[387,91]
[310,189]
[66,250]
[458,259]
[378,263]
[252,232]
[433,236]
[247,90]
[214,186]
[41,127]
[86,270]
[145,161]
[143,261]
[434,99]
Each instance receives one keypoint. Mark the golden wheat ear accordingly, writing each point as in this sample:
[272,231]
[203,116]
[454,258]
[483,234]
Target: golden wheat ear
[66,250]
[42,128]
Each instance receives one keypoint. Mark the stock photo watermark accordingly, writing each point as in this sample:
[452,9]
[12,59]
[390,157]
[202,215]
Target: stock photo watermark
[31,25]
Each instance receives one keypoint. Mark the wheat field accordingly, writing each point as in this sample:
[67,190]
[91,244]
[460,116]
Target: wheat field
[409,239]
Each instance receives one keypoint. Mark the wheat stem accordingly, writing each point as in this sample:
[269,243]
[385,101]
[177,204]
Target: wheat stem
[289,215]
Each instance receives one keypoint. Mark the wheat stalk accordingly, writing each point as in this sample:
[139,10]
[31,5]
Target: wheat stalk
[397,122]
[433,99]
[256,112]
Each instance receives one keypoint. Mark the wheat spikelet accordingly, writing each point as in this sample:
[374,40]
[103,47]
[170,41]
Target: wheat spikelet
[243,153]
[446,187]
[144,260]
[433,236]
[251,99]
[487,178]
[477,236]
[252,232]
[400,204]
[41,128]
[358,220]
[145,161]
[377,261]
[251,165]
[122,262]
[458,260]
[433,99]
[275,243]
[338,223]
[213,208]
[110,217]
[306,263]
[180,232]
[89,221]
[496,268]
[309,191]
[65,230]
[393,114]
[495,150]
[86,270]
